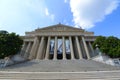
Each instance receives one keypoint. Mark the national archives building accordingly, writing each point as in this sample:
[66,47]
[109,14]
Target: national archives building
[58,42]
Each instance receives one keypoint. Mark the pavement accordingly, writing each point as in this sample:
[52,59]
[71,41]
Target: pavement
[89,75]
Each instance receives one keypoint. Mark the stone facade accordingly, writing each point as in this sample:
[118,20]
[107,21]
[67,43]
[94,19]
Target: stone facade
[58,42]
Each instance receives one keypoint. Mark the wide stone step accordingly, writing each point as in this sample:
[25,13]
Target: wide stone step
[90,75]
[60,66]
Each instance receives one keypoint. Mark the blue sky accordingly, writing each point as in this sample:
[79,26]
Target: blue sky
[99,16]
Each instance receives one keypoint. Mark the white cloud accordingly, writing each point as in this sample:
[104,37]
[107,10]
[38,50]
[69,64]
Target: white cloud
[23,15]
[48,14]
[87,12]
[66,1]
[17,14]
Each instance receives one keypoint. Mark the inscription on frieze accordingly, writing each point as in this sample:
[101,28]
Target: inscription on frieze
[59,29]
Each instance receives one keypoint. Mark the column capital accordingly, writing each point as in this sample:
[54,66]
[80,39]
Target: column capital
[36,36]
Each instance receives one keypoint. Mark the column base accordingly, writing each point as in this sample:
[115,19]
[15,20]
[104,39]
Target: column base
[46,59]
[64,59]
[55,59]
[73,59]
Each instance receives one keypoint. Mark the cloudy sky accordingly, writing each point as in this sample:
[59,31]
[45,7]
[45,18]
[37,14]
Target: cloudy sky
[99,16]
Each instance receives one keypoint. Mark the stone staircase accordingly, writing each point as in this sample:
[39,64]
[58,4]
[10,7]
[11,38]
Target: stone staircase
[90,75]
[60,66]
[60,70]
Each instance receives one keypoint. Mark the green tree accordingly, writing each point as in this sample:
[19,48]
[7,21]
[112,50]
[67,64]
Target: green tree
[100,40]
[108,45]
[10,44]
[114,46]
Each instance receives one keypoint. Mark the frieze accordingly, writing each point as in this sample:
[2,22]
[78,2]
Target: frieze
[61,34]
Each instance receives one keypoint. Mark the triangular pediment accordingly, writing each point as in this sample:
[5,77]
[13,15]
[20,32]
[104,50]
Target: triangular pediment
[59,27]
[59,30]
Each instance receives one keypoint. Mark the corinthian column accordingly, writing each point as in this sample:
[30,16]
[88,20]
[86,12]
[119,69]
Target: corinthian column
[22,52]
[78,47]
[55,48]
[48,48]
[86,49]
[71,48]
[34,48]
[40,49]
[27,50]
[91,48]
[64,48]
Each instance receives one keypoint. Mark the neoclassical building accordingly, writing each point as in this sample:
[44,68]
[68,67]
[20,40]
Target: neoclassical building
[58,42]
